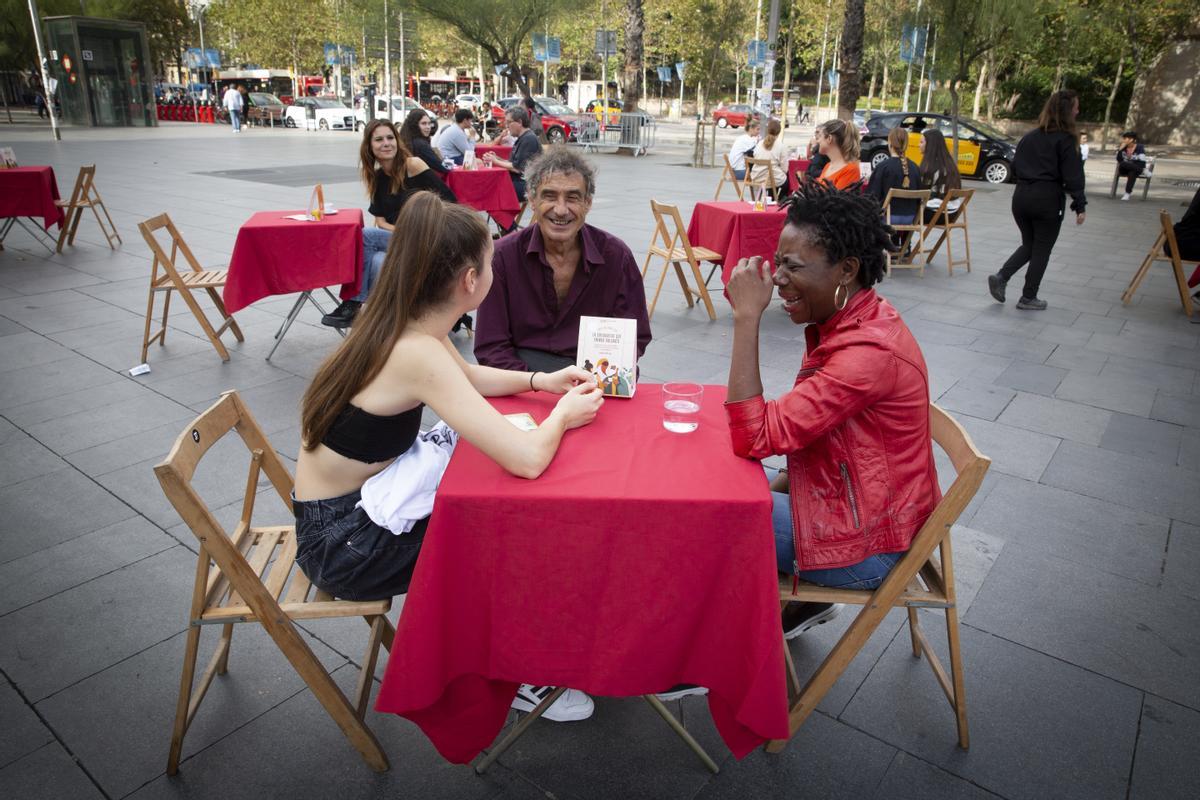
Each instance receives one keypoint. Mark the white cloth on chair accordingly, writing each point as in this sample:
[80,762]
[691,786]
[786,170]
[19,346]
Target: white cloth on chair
[403,493]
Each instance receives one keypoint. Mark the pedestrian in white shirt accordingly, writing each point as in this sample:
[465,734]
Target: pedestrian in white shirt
[743,146]
[232,100]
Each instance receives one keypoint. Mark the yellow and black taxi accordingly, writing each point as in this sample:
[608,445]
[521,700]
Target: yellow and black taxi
[983,151]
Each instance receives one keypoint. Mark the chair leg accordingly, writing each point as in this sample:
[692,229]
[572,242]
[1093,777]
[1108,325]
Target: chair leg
[956,674]
[687,290]
[185,697]
[227,320]
[662,277]
[937,245]
[64,230]
[223,648]
[949,234]
[914,625]
[146,338]
[703,291]
[362,692]
[967,246]
[111,225]
[207,327]
[75,226]
[1140,275]
[789,667]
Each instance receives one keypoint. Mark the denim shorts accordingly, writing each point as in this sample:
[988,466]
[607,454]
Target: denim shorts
[346,554]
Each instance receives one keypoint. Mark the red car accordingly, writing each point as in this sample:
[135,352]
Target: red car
[733,116]
[558,129]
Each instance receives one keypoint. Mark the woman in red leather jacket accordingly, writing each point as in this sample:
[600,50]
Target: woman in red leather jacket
[860,479]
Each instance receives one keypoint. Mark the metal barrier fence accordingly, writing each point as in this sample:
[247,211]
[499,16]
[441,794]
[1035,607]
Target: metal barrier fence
[634,130]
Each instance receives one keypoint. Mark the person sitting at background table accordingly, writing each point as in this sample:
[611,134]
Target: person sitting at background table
[391,175]
[816,159]
[555,271]
[838,141]
[771,149]
[1131,161]
[855,426]
[896,172]
[452,140]
[525,146]
[743,146]
[366,476]
[414,135]
[939,173]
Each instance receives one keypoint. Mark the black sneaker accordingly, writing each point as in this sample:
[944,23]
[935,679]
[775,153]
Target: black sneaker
[996,286]
[343,315]
[681,690]
[1031,304]
[800,617]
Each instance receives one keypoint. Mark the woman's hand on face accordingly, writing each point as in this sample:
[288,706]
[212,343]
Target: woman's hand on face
[750,287]
[564,380]
[580,405]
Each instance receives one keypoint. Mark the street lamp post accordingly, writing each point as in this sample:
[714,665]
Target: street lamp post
[41,51]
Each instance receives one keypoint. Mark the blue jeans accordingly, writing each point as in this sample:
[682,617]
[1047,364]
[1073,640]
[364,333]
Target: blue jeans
[866,574]
[346,554]
[375,245]
[235,119]
[740,174]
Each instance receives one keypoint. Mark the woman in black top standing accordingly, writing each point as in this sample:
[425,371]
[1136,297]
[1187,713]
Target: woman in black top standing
[1047,164]
[415,133]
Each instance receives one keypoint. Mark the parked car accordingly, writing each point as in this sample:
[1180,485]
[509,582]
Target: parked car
[983,151]
[556,117]
[400,107]
[733,116]
[326,113]
[266,109]
[469,101]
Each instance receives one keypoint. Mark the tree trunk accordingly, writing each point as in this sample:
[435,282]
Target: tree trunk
[883,94]
[954,118]
[991,94]
[979,90]
[1112,95]
[850,78]
[519,79]
[871,90]
[635,28]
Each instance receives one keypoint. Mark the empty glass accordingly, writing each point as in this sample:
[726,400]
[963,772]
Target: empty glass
[681,406]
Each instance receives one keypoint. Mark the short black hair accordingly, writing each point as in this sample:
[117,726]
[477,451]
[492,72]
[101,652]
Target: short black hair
[844,223]
[1130,135]
[463,114]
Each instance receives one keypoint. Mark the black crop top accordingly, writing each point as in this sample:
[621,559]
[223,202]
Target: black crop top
[367,437]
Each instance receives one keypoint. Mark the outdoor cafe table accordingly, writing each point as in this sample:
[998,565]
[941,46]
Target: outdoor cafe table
[274,255]
[502,150]
[640,559]
[487,189]
[735,229]
[28,192]
[795,170]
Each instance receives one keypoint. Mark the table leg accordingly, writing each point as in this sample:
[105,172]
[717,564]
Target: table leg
[4,229]
[295,312]
[518,730]
[34,230]
[658,706]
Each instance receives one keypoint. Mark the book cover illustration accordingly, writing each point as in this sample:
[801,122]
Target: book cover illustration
[523,421]
[8,159]
[608,350]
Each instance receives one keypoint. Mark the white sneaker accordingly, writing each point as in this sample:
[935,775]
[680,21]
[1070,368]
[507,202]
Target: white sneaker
[571,706]
[1126,196]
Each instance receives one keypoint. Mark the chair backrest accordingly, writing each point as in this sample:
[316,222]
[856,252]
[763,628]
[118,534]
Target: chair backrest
[957,194]
[920,195]
[970,466]
[175,475]
[662,211]
[83,184]
[1168,230]
[727,174]
[768,175]
[149,228]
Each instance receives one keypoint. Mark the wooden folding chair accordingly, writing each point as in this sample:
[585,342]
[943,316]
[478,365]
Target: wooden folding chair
[919,580]
[948,220]
[766,181]
[85,195]
[912,235]
[1159,252]
[727,174]
[251,576]
[675,249]
[185,283]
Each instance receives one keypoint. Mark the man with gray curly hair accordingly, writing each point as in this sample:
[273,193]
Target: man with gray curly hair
[548,275]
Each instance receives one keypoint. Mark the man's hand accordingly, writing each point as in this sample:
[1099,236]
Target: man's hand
[750,287]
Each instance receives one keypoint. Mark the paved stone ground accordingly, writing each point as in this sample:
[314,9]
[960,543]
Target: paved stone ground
[1077,561]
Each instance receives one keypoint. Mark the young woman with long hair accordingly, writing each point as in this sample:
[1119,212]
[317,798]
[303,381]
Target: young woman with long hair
[391,176]
[939,173]
[771,149]
[1048,167]
[415,133]
[838,141]
[896,172]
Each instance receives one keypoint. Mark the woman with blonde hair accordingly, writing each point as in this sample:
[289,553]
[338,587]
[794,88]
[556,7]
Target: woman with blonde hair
[896,172]
[771,149]
[838,141]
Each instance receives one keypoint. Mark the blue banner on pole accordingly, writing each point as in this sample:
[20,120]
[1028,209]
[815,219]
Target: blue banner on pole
[546,48]
[912,44]
[664,74]
[833,78]
[756,52]
[211,58]
[680,66]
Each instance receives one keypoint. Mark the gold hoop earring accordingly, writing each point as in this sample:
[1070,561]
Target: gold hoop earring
[845,296]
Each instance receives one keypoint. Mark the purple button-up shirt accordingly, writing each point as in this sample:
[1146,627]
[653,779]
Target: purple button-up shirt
[522,309]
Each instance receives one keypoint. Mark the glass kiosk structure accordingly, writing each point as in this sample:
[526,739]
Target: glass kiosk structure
[102,67]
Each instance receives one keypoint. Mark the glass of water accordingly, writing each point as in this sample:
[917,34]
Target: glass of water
[681,406]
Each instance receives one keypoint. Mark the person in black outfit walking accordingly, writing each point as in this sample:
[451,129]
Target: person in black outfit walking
[1047,163]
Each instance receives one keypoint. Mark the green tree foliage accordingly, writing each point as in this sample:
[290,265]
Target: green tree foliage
[274,33]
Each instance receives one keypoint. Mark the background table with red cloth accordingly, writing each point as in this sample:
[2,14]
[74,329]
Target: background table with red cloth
[30,192]
[640,559]
[275,255]
[502,150]
[735,229]
[796,167]
[487,189]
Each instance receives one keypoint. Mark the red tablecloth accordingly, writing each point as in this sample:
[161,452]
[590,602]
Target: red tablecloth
[735,229]
[640,559]
[502,150]
[274,255]
[30,192]
[487,189]
[796,167]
